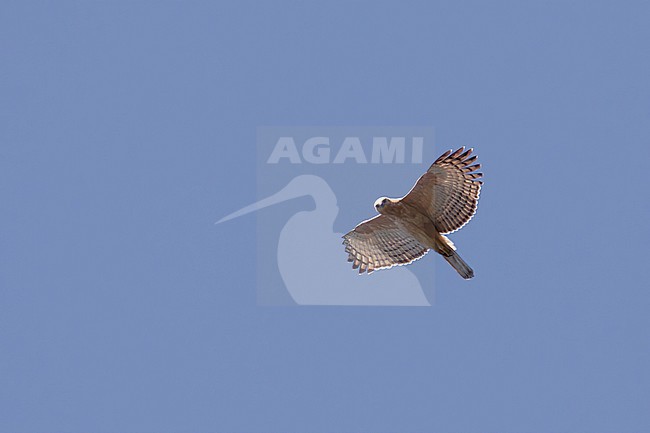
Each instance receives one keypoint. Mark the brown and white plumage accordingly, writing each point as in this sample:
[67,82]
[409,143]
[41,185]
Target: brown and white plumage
[381,242]
[442,201]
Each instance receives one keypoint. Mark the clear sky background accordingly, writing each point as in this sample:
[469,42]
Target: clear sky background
[128,128]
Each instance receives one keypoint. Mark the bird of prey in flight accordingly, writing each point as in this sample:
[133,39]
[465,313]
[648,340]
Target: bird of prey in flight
[442,201]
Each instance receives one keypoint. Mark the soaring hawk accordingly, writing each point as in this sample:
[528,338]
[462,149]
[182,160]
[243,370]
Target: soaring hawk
[442,201]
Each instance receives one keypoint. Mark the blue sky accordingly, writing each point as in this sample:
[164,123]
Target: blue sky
[128,128]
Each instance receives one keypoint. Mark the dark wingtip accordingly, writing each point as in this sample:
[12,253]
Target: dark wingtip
[444,155]
[457,152]
[466,153]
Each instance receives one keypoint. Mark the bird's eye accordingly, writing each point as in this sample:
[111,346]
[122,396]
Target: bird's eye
[379,204]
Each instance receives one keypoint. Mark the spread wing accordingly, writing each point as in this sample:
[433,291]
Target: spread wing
[448,192]
[381,242]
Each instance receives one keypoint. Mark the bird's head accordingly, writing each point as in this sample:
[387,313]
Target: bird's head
[382,203]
